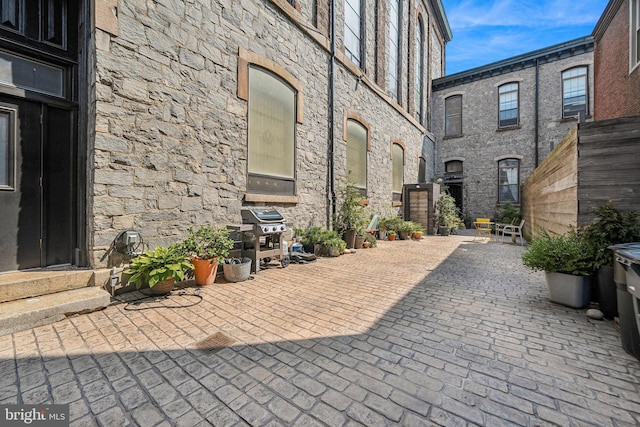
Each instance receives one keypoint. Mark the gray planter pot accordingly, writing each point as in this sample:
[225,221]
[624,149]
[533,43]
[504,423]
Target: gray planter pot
[566,289]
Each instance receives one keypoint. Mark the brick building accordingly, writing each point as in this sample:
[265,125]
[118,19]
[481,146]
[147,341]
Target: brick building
[168,114]
[617,60]
[494,124]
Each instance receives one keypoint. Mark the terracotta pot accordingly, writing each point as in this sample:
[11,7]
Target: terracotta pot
[391,237]
[417,235]
[366,244]
[205,270]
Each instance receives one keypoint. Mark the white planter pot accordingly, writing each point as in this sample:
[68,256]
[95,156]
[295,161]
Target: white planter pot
[567,289]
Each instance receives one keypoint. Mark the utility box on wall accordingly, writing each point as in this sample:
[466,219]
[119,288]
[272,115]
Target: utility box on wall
[419,201]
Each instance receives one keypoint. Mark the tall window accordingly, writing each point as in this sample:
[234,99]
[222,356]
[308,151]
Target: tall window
[574,92]
[272,125]
[634,36]
[353,30]
[398,171]
[419,95]
[508,180]
[394,46]
[357,154]
[508,101]
[453,115]
[7,149]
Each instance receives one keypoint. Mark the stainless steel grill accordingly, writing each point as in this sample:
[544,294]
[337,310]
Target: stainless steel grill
[263,241]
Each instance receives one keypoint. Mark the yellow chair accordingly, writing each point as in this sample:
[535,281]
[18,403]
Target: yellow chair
[483,228]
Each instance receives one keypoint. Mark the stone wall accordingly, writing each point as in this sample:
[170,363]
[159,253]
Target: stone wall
[171,130]
[483,144]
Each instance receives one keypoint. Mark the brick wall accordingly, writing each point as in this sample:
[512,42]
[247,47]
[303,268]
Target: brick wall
[617,92]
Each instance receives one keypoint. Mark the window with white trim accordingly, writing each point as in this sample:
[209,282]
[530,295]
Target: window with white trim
[634,36]
[357,154]
[574,92]
[508,100]
[508,180]
[272,128]
[453,115]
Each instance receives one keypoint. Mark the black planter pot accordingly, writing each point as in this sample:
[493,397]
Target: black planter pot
[606,292]
[350,238]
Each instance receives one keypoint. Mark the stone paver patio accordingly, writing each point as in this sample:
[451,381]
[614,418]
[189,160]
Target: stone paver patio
[444,331]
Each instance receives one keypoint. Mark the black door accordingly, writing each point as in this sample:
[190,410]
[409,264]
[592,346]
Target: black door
[36,185]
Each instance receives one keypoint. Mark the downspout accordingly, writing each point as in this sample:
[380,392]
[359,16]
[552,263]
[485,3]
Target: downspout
[537,134]
[331,192]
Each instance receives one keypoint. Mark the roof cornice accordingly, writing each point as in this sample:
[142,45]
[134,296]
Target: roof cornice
[441,19]
[516,63]
[606,18]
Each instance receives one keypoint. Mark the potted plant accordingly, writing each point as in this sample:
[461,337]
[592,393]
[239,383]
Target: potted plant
[207,247]
[360,234]
[159,268]
[335,246]
[418,231]
[568,265]
[370,240]
[447,218]
[405,229]
[389,223]
[611,227]
[309,237]
[351,214]
[391,235]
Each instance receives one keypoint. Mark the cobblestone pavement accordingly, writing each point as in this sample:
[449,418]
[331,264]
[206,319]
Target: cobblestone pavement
[443,331]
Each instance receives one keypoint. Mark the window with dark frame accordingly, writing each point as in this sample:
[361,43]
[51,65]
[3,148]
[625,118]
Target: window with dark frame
[419,91]
[271,134]
[453,115]
[398,171]
[422,171]
[508,105]
[574,92]
[509,181]
[7,149]
[11,14]
[395,24]
[357,139]
[353,30]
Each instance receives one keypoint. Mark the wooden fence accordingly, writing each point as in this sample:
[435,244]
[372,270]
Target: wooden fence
[595,163]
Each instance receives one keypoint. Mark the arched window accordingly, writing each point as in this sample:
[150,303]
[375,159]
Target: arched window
[397,153]
[508,101]
[574,92]
[422,171]
[357,142]
[395,24]
[419,94]
[453,115]
[271,131]
[509,181]
[353,32]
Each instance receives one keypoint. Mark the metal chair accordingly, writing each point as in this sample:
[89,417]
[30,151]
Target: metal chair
[483,228]
[514,231]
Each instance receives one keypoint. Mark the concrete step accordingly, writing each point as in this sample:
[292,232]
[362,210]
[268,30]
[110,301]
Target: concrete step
[29,313]
[25,284]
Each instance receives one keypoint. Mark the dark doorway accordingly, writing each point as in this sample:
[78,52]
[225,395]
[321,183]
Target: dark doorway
[455,190]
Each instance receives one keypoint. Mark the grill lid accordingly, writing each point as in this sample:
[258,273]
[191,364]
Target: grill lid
[261,216]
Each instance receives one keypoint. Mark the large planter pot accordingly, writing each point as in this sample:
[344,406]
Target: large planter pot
[237,272]
[350,238]
[443,231]
[164,287]
[403,235]
[391,237]
[606,291]
[205,270]
[358,242]
[566,289]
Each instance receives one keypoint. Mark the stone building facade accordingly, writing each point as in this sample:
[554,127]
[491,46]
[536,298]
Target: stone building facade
[494,124]
[617,61]
[171,114]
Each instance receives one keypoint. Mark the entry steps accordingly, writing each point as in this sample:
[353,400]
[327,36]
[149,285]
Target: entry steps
[34,298]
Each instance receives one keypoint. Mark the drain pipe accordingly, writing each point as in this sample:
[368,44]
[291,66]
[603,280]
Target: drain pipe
[331,192]
[537,134]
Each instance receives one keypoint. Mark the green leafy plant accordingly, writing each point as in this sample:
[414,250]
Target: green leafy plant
[567,254]
[311,235]
[336,242]
[390,223]
[207,243]
[611,227]
[369,237]
[509,214]
[351,213]
[406,227]
[158,265]
[448,215]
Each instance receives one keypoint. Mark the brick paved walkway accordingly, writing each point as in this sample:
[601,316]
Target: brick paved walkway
[444,331]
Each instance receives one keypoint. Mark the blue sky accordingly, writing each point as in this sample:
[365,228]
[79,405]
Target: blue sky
[485,31]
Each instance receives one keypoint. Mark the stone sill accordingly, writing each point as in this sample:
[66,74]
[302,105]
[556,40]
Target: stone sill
[453,136]
[271,198]
[506,129]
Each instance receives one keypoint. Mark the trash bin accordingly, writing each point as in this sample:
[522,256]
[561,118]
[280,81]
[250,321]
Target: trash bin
[627,278]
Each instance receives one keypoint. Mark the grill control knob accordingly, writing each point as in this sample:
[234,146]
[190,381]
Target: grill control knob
[282,228]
